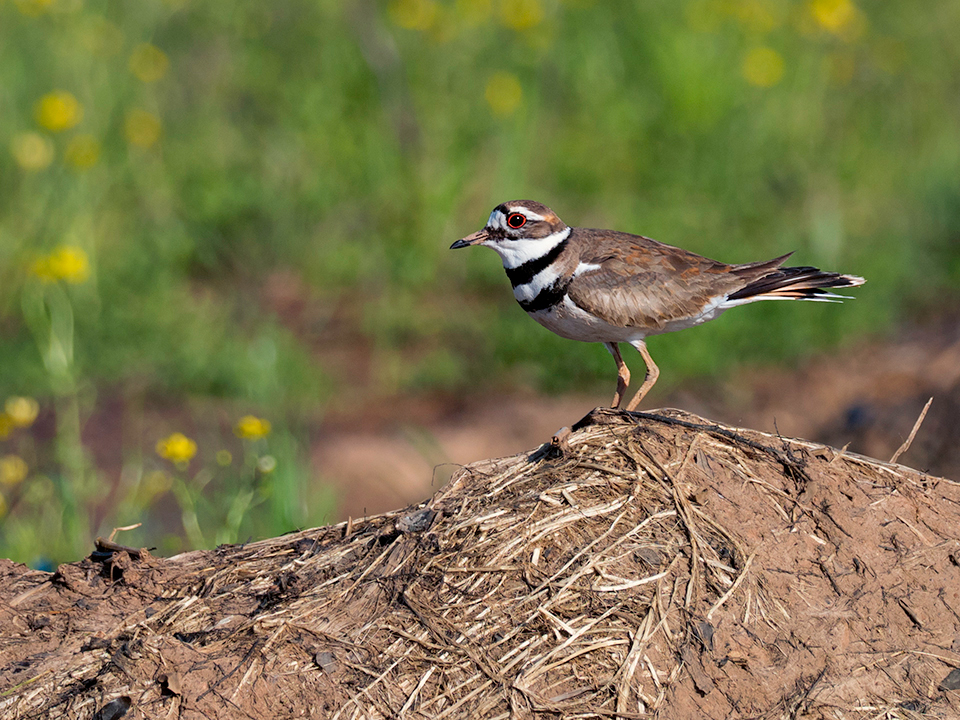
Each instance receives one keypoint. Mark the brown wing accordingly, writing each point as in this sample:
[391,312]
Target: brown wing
[645,283]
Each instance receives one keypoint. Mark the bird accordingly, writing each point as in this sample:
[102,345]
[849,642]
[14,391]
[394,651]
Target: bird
[614,287]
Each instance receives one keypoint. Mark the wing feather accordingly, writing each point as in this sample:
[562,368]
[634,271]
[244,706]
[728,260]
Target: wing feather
[644,283]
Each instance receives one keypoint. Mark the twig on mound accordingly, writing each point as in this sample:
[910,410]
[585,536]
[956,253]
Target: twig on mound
[913,433]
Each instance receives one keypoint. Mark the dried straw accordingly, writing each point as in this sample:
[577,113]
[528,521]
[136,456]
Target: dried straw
[612,574]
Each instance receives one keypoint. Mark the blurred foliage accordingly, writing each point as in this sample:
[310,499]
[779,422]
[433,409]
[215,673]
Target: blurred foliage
[202,204]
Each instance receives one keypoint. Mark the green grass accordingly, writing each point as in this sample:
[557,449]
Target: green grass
[341,147]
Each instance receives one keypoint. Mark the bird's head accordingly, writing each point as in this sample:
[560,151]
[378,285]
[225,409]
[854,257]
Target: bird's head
[514,223]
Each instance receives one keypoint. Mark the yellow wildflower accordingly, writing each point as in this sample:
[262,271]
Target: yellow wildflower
[31,150]
[58,111]
[7,424]
[224,458]
[177,448]
[763,67]
[267,464]
[13,470]
[33,8]
[833,15]
[252,428]
[22,410]
[521,14]
[503,93]
[142,128]
[413,14]
[148,63]
[82,152]
[67,263]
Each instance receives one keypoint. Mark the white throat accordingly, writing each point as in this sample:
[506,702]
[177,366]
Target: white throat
[516,252]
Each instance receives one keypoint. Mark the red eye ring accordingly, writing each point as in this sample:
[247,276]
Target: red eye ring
[516,220]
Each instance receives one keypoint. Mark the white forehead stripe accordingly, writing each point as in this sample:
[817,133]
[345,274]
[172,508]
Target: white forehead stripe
[526,212]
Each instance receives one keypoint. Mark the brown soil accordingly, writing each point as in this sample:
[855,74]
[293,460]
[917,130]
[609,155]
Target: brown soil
[646,566]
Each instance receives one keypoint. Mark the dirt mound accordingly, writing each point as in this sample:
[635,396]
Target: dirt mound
[643,566]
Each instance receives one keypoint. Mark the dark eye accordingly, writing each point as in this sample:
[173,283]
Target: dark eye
[516,220]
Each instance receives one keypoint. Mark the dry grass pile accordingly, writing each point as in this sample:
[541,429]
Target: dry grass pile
[645,566]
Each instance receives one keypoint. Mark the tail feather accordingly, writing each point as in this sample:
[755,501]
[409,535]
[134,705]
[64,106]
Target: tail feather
[795,283]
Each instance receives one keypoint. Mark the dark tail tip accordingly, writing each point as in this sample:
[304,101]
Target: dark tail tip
[800,283]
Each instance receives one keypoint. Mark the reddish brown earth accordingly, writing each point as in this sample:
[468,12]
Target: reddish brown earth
[648,566]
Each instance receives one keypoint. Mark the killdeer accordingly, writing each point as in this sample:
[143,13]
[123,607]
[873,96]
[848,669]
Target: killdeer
[612,287]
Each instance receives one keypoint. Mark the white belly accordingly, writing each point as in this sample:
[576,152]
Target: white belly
[569,321]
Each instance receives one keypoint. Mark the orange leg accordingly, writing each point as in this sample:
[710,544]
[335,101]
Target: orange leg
[653,372]
[623,373]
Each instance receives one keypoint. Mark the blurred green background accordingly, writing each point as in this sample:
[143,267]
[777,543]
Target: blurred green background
[220,220]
